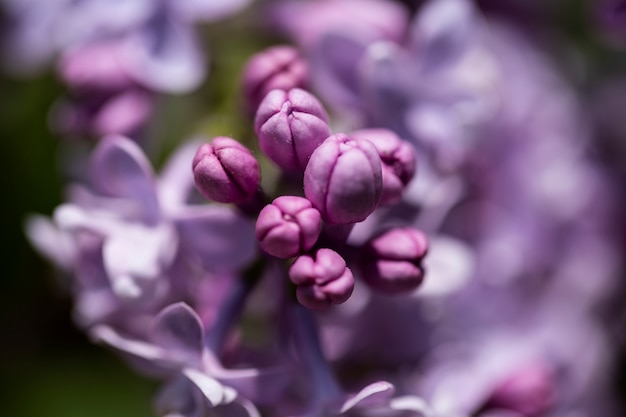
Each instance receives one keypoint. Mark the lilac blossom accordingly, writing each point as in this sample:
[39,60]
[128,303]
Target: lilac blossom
[131,237]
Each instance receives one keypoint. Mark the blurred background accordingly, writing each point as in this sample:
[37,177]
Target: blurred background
[48,367]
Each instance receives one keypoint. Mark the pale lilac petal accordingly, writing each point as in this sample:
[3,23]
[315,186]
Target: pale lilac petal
[223,239]
[120,168]
[140,349]
[176,179]
[178,330]
[442,32]
[213,391]
[51,242]
[412,403]
[165,56]
[136,257]
[374,394]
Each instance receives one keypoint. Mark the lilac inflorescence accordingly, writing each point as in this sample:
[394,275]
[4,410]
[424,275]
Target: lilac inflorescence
[466,284]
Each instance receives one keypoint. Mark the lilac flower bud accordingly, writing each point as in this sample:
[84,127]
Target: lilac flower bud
[343,179]
[290,125]
[226,171]
[529,391]
[288,226]
[96,66]
[392,261]
[322,280]
[279,67]
[398,161]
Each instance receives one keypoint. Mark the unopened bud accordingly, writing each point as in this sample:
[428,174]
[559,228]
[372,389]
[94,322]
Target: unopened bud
[290,125]
[322,280]
[398,161]
[392,261]
[288,227]
[279,67]
[343,179]
[226,171]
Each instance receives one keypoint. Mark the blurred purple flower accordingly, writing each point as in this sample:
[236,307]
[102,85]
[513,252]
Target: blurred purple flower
[131,242]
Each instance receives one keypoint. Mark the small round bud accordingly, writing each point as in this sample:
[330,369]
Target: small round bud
[287,227]
[279,67]
[226,171]
[343,179]
[322,280]
[290,125]
[528,391]
[392,261]
[398,161]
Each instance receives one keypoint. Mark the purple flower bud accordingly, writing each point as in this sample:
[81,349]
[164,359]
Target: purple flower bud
[343,179]
[288,226]
[322,280]
[226,171]
[528,391]
[392,260]
[398,161]
[279,67]
[96,66]
[290,125]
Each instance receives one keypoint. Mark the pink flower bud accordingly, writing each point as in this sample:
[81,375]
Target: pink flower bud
[290,125]
[288,226]
[528,391]
[322,280]
[343,179]
[392,261]
[279,67]
[226,171]
[398,161]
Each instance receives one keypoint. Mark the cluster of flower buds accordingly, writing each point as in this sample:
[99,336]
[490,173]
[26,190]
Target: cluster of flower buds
[343,178]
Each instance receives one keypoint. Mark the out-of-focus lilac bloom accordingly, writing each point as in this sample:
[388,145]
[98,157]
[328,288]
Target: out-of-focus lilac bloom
[179,346]
[312,23]
[133,235]
[279,67]
[308,21]
[392,261]
[322,279]
[343,179]
[158,47]
[226,171]
[288,227]
[290,125]
[398,161]
[326,398]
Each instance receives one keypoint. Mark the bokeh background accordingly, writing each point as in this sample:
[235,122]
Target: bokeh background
[47,366]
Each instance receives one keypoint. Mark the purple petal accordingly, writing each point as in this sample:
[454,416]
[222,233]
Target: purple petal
[442,32]
[212,391]
[222,239]
[176,179]
[137,348]
[374,394]
[177,329]
[165,56]
[120,168]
